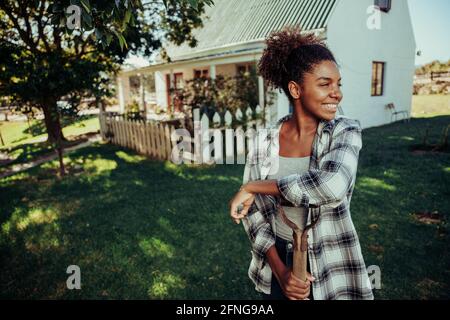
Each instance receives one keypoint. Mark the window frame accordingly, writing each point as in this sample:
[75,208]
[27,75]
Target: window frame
[375,80]
[201,73]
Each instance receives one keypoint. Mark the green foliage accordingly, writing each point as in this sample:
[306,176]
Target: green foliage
[45,58]
[221,94]
[118,19]
[133,112]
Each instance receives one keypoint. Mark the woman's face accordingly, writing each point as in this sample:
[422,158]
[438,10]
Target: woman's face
[320,92]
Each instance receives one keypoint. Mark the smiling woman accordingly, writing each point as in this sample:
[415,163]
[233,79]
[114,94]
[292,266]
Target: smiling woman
[303,172]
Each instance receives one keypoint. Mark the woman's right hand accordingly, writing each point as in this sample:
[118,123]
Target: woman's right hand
[293,287]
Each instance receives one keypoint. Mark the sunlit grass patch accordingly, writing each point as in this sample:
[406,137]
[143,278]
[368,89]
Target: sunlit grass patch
[35,217]
[155,247]
[130,158]
[163,284]
[373,183]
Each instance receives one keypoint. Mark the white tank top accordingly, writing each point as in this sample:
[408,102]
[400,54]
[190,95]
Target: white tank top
[298,215]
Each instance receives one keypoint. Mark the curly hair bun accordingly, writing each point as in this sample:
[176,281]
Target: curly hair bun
[273,65]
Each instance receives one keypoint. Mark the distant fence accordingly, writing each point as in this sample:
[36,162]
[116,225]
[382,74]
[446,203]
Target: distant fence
[162,141]
[431,77]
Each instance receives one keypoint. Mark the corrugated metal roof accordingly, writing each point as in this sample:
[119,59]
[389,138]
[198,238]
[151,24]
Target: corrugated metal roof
[230,22]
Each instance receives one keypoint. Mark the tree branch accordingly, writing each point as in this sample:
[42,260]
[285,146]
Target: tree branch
[26,38]
[26,17]
[41,27]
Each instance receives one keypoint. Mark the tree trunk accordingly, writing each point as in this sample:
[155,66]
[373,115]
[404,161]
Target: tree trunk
[1,139]
[52,123]
[54,131]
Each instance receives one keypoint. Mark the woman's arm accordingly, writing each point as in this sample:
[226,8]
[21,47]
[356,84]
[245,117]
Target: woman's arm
[329,183]
[335,174]
[246,195]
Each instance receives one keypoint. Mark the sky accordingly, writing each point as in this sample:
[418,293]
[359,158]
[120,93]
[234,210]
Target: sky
[431,26]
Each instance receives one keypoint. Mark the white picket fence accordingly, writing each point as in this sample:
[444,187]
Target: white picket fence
[163,142]
[151,139]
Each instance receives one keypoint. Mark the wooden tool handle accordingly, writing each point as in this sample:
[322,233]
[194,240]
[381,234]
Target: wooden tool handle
[299,268]
[299,258]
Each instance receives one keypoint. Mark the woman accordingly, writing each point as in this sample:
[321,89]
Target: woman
[307,165]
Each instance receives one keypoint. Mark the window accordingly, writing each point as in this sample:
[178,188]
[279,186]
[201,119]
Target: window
[135,84]
[377,78]
[243,68]
[179,83]
[201,73]
[384,5]
[149,81]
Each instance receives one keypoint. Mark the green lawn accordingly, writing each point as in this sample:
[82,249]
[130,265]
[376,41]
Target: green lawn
[24,143]
[143,229]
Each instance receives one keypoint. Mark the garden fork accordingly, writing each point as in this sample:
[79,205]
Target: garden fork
[300,245]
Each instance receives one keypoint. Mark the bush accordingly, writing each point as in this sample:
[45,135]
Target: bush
[221,94]
[438,87]
[133,112]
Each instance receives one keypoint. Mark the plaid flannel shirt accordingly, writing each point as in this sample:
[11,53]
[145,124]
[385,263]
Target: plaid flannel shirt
[325,189]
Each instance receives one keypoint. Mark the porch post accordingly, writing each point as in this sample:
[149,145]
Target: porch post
[142,93]
[122,92]
[161,89]
[212,69]
[261,95]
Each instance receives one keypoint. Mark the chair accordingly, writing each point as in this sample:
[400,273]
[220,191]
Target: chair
[395,113]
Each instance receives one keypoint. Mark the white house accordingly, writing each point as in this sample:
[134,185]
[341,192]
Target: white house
[373,45]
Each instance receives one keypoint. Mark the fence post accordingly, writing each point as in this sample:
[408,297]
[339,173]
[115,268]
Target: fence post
[197,137]
[100,116]
[229,139]
[162,148]
[152,140]
[167,142]
[205,150]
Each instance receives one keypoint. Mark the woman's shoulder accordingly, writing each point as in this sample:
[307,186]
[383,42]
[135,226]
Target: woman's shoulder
[343,123]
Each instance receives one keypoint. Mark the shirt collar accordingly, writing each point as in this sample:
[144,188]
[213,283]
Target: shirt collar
[273,134]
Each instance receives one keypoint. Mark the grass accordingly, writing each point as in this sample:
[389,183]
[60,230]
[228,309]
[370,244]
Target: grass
[24,143]
[137,228]
[393,185]
[430,105]
[143,229]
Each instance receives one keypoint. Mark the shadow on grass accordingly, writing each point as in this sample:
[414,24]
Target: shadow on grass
[143,229]
[38,128]
[27,152]
[137,229]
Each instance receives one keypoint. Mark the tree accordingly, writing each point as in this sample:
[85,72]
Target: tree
[51,50]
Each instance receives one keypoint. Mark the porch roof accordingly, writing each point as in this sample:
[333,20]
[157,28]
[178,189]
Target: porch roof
[230,23]
[248,54]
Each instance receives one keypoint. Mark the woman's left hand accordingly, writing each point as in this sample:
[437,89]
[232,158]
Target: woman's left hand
[241,197]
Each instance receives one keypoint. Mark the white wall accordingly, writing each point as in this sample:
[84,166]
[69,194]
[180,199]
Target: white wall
[227,70]
[355,46]
[123,92]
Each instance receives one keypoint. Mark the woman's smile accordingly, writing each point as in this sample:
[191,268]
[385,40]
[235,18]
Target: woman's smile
[330,107]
